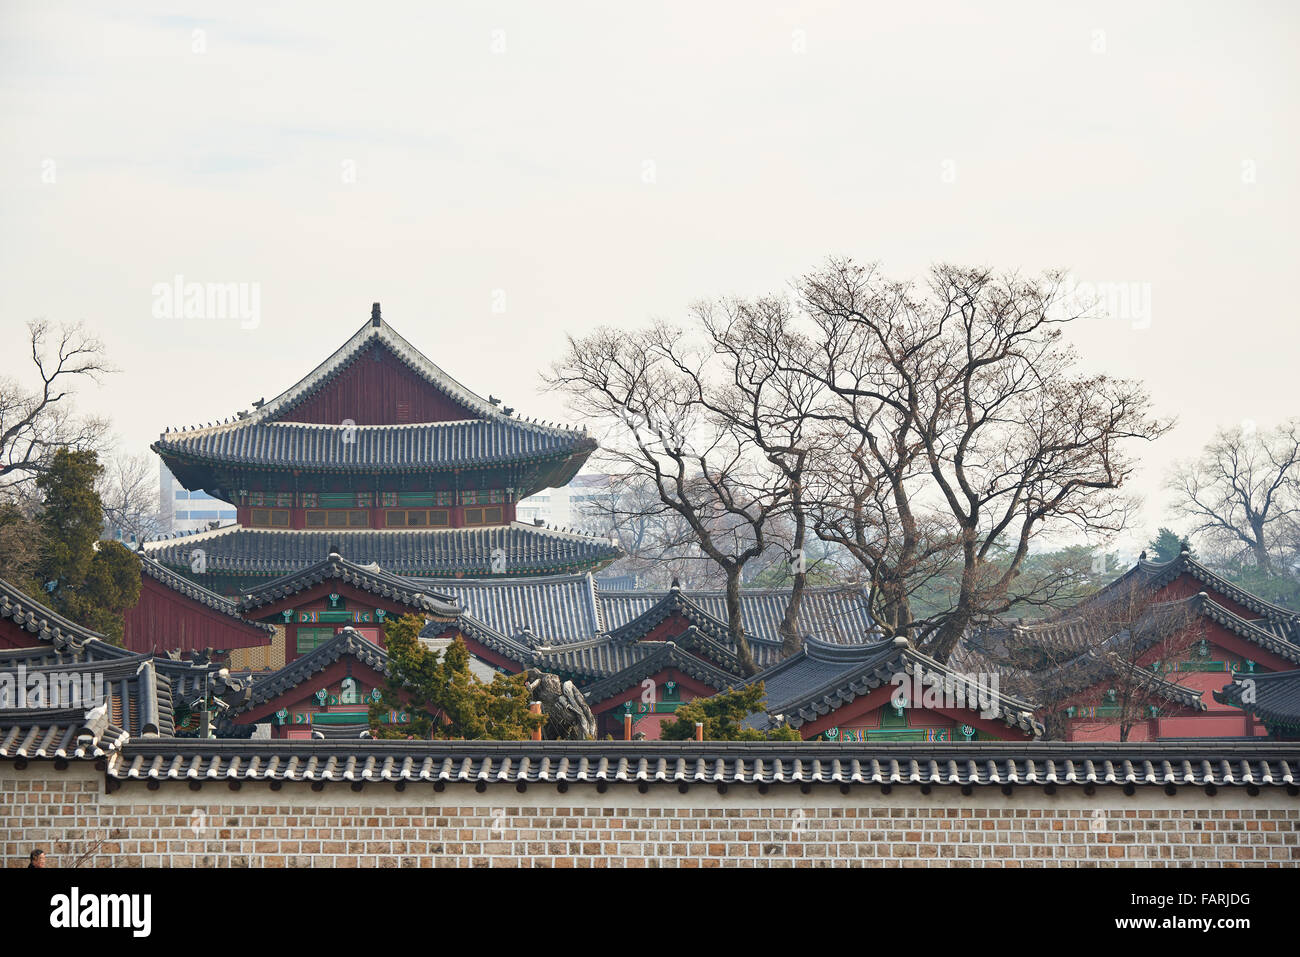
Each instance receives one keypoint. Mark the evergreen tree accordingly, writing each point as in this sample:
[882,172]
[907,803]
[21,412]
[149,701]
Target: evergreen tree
[71,517]
[112,586]
[443,697]
[1166,546]
[722,715]
[93,584]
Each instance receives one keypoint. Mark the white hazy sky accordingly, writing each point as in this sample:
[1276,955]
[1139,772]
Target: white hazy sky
[501,150]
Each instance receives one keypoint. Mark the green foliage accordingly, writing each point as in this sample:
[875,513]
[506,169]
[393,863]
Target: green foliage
[1166,546]
[721,715]
[112,586]
[20,545]
[779,575]
[1277,586]
[92,584]
[444,698]
[71,517]
[1058,579]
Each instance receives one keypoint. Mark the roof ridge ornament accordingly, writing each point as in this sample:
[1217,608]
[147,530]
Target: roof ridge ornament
[375,318]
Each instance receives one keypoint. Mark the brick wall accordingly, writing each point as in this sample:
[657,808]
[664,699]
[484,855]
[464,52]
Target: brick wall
[69,813]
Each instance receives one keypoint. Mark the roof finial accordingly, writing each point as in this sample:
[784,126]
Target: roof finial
[374,315]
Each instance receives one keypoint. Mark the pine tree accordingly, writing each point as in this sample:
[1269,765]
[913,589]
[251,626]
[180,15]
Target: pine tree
[71,518]
[443,697]
[91,582]
[1166,546]
[721,715]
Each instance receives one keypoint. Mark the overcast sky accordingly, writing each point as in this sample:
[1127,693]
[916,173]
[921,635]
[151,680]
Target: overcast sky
[498,174]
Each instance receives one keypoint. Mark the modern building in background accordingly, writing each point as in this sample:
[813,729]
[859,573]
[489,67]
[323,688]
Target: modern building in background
[564,506]
[186,511]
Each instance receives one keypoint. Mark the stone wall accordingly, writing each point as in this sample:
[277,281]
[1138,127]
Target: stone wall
[70,813]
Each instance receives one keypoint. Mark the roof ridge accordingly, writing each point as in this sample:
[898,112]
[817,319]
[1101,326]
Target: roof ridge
[377,331]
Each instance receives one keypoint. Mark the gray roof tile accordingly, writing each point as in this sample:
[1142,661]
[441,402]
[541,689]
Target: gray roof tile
[262,439]
[369,578]
[195,592]
[43,622]
[59,733]
[824,677]
[672,763]
[256,552]
[347,643]
[1273,697]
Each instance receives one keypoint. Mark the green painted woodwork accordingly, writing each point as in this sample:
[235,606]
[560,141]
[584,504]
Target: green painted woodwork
[892,716]
[309,639]
[341,717]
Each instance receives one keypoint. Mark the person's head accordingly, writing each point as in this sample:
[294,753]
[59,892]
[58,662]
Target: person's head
[38,858]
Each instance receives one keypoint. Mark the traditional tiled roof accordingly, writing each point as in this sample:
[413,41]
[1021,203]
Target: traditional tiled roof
[516,648]
[415,553]
[1157,575]
[347,642]
[644,764]
[562,609]
[428,447]
[179,583]
[43,622]
[765,650]
[262,439]
[658,657]
[824,677]
[1075,631]
[554,609]
[59,733]
[1098,665]
[840,615]
[594,658]
[369,335]
[1251,631]
[191,680]
[93,649]
[1274,697]
[1146,577]
[371,579]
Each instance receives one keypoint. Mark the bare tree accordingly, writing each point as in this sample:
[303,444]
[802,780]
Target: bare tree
[34,422]
[1121,640]
[1241,492]
[866,459]
[1013,442]
[658,543]
[129,490]
[769,403]
[648,392]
